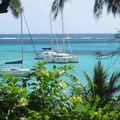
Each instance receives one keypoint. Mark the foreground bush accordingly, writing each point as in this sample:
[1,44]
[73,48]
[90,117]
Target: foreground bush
[47,95]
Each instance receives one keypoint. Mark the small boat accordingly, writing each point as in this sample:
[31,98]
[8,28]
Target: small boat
[44,53]
[61,58]
[16,71]
[52,55]
[48,52]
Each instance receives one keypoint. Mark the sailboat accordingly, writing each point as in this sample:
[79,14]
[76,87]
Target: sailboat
[46,52]
[52,55]
[13,70]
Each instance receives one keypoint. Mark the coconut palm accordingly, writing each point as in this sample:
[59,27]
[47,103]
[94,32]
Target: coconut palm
[57,5]
[111,6]
[13,5]
[103,86]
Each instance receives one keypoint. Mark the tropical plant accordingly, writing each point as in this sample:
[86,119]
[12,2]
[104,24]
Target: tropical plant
[111,5]
[12,98]
[57,5]
[103,86]
[40,95]
[13,5]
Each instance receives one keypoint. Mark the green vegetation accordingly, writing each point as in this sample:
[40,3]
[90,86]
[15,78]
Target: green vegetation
[46,95]
[112,6]
[13,5]
[103,86]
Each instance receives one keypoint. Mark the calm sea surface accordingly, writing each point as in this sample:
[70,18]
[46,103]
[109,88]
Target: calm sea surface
[84,45]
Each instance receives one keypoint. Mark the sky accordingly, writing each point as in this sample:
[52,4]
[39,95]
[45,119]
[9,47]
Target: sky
[78,18]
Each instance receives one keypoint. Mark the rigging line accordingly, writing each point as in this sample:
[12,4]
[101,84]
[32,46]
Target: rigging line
[30,36]
[109,66]
[110,56]
[21,20]
[113,63]
[111,53]
[56,41]
[63,29]
[51,30]
[105,56]
[69,44]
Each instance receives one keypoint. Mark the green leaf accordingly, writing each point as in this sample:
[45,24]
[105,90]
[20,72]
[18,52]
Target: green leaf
[90,82]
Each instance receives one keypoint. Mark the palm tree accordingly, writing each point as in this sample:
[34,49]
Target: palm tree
[57,5]
[111,6]
[13,5]
[103,86]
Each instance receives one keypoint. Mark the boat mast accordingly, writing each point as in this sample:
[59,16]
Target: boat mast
[21,38]
[63,30]
[51,30]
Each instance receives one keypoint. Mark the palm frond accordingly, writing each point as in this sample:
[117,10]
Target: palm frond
[100,74]
[100,77]
[98,7]
[114,78]
[115,89]
[112,6]
[101,85]
[15,6]
[90,84]
[56,6]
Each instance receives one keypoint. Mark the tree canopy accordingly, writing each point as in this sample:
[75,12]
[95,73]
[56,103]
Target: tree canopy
[112,6]
[13,5]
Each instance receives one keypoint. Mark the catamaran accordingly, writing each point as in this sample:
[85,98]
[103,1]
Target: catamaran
[53,55]
[12,70]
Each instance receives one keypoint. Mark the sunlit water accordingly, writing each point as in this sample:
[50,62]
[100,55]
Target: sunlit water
[10,50]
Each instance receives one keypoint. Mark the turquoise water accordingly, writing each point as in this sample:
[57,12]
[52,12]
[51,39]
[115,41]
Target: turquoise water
[76,47]
[10,51]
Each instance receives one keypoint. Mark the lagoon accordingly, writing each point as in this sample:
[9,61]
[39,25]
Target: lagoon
[83,45]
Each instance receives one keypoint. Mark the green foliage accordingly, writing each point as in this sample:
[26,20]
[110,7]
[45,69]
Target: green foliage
[112,6]
[101,85]
[14,5]
[41,95]
[57,6]
[12,98]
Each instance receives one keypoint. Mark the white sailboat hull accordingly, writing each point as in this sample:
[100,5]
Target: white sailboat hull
[44,54]
[62,59]
[74,59]
[14,71]
[52,59]
[57,56]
